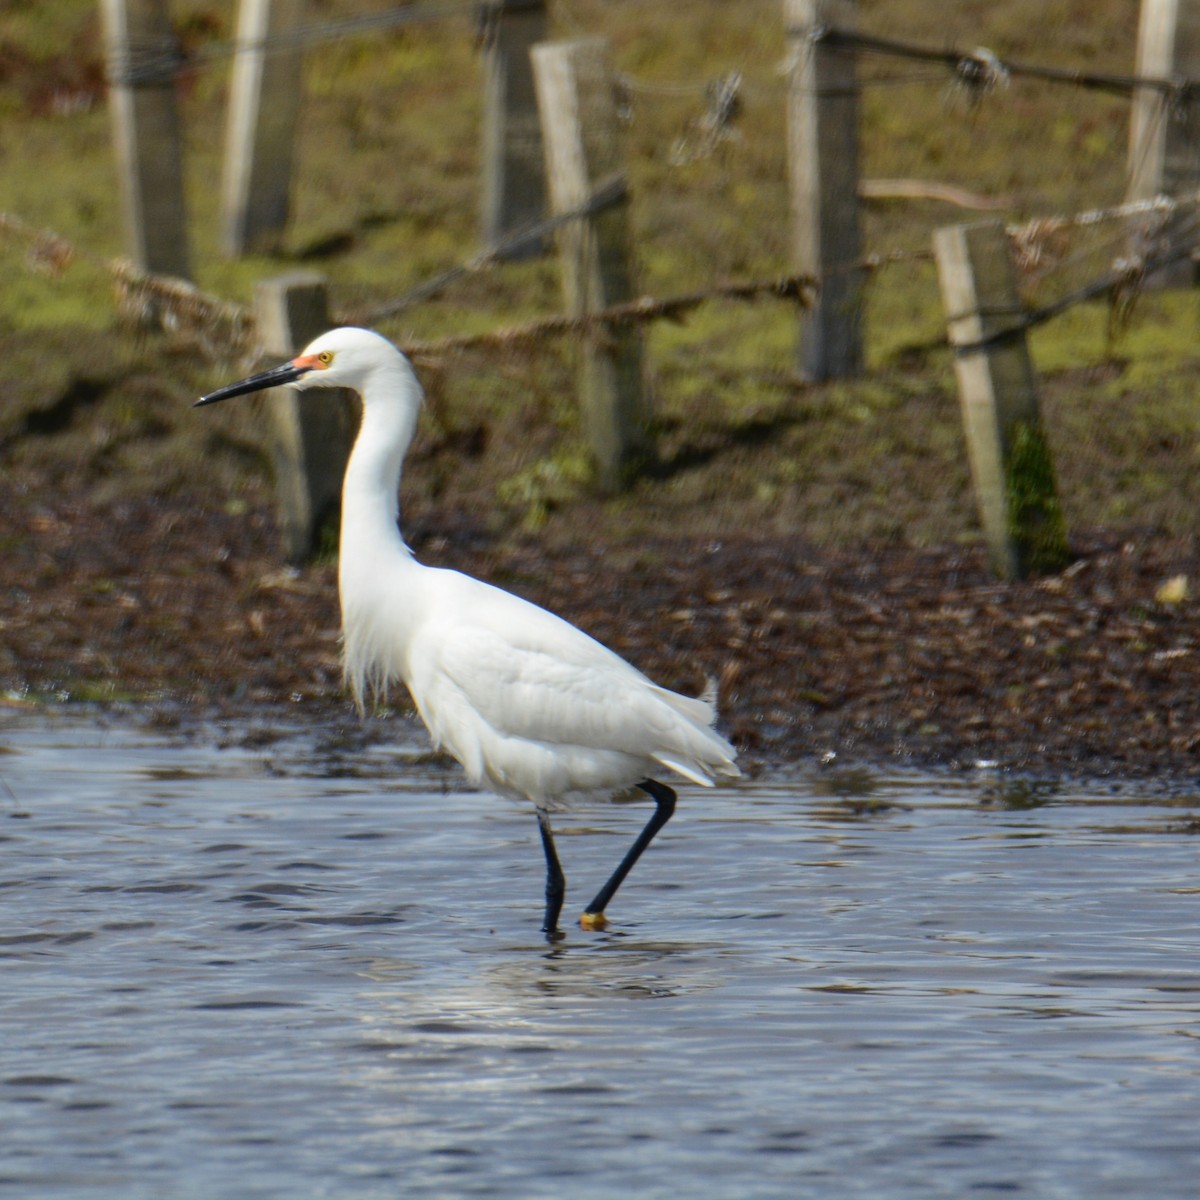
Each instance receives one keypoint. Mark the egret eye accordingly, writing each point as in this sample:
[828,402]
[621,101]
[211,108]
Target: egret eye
[325,357]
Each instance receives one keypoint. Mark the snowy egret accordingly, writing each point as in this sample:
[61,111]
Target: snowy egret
[531,706]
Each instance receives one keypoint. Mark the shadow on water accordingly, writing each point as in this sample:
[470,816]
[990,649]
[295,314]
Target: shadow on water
[303,963]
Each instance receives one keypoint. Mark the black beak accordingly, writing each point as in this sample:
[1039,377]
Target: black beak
[275,377]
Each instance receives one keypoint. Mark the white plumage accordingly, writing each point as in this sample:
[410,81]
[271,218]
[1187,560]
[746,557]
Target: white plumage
[532,707]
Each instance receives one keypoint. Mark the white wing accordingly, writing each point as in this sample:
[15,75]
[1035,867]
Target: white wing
[537,708]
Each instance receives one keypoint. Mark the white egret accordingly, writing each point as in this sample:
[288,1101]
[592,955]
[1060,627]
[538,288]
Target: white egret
[532,707]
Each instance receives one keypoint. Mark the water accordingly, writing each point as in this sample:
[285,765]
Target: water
[286,968]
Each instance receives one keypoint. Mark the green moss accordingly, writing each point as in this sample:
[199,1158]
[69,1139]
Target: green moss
[1035,517]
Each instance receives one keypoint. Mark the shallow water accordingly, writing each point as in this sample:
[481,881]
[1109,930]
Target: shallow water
[290,968]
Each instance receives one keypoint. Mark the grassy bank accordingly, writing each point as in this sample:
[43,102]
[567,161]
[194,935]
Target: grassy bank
[387,195]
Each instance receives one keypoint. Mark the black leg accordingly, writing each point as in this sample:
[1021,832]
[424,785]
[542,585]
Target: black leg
[664,802]
[556,882]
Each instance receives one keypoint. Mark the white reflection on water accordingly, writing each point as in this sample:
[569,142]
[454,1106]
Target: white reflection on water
[307,968]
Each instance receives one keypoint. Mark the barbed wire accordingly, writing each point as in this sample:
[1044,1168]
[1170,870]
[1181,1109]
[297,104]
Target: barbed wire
[1030,238]
[153,59]
[980,69]
[142,295]
[534,233]
[1124,279]
[799,288]
[983,68]
[150,59]
[229,329]
[703,134]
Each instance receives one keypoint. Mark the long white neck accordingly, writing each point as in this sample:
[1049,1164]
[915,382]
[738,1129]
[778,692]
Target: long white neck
[374,565]
[391,400]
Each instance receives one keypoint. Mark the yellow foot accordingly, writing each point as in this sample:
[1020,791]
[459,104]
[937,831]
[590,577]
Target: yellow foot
[593,921]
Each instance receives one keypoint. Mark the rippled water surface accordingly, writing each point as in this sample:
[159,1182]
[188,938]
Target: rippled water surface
[271,967]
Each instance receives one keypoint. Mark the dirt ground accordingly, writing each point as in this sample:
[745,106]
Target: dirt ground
[872,654]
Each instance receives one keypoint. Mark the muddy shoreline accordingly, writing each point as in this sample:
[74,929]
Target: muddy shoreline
[879,653]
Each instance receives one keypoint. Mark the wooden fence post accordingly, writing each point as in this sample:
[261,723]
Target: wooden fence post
[1164,131]
[143,57]
[1010,459]
[823,168]
[264,108]
[310,440]
[514,173]
[583,163]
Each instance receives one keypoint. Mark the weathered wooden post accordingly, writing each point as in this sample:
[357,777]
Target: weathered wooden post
[1164,130]
[264,108]
[143,57]
[514,172]
[584,164]
[1010,459]
[823,167]
[310,440]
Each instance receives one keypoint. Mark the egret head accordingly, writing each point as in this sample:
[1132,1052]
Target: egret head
[341,358]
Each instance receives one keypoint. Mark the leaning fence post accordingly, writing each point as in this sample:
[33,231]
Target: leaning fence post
[264,107]
[514,173]
[823,166]
[1010,459]
[584,168]
[310,442]
[1164,131]
[143,57]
